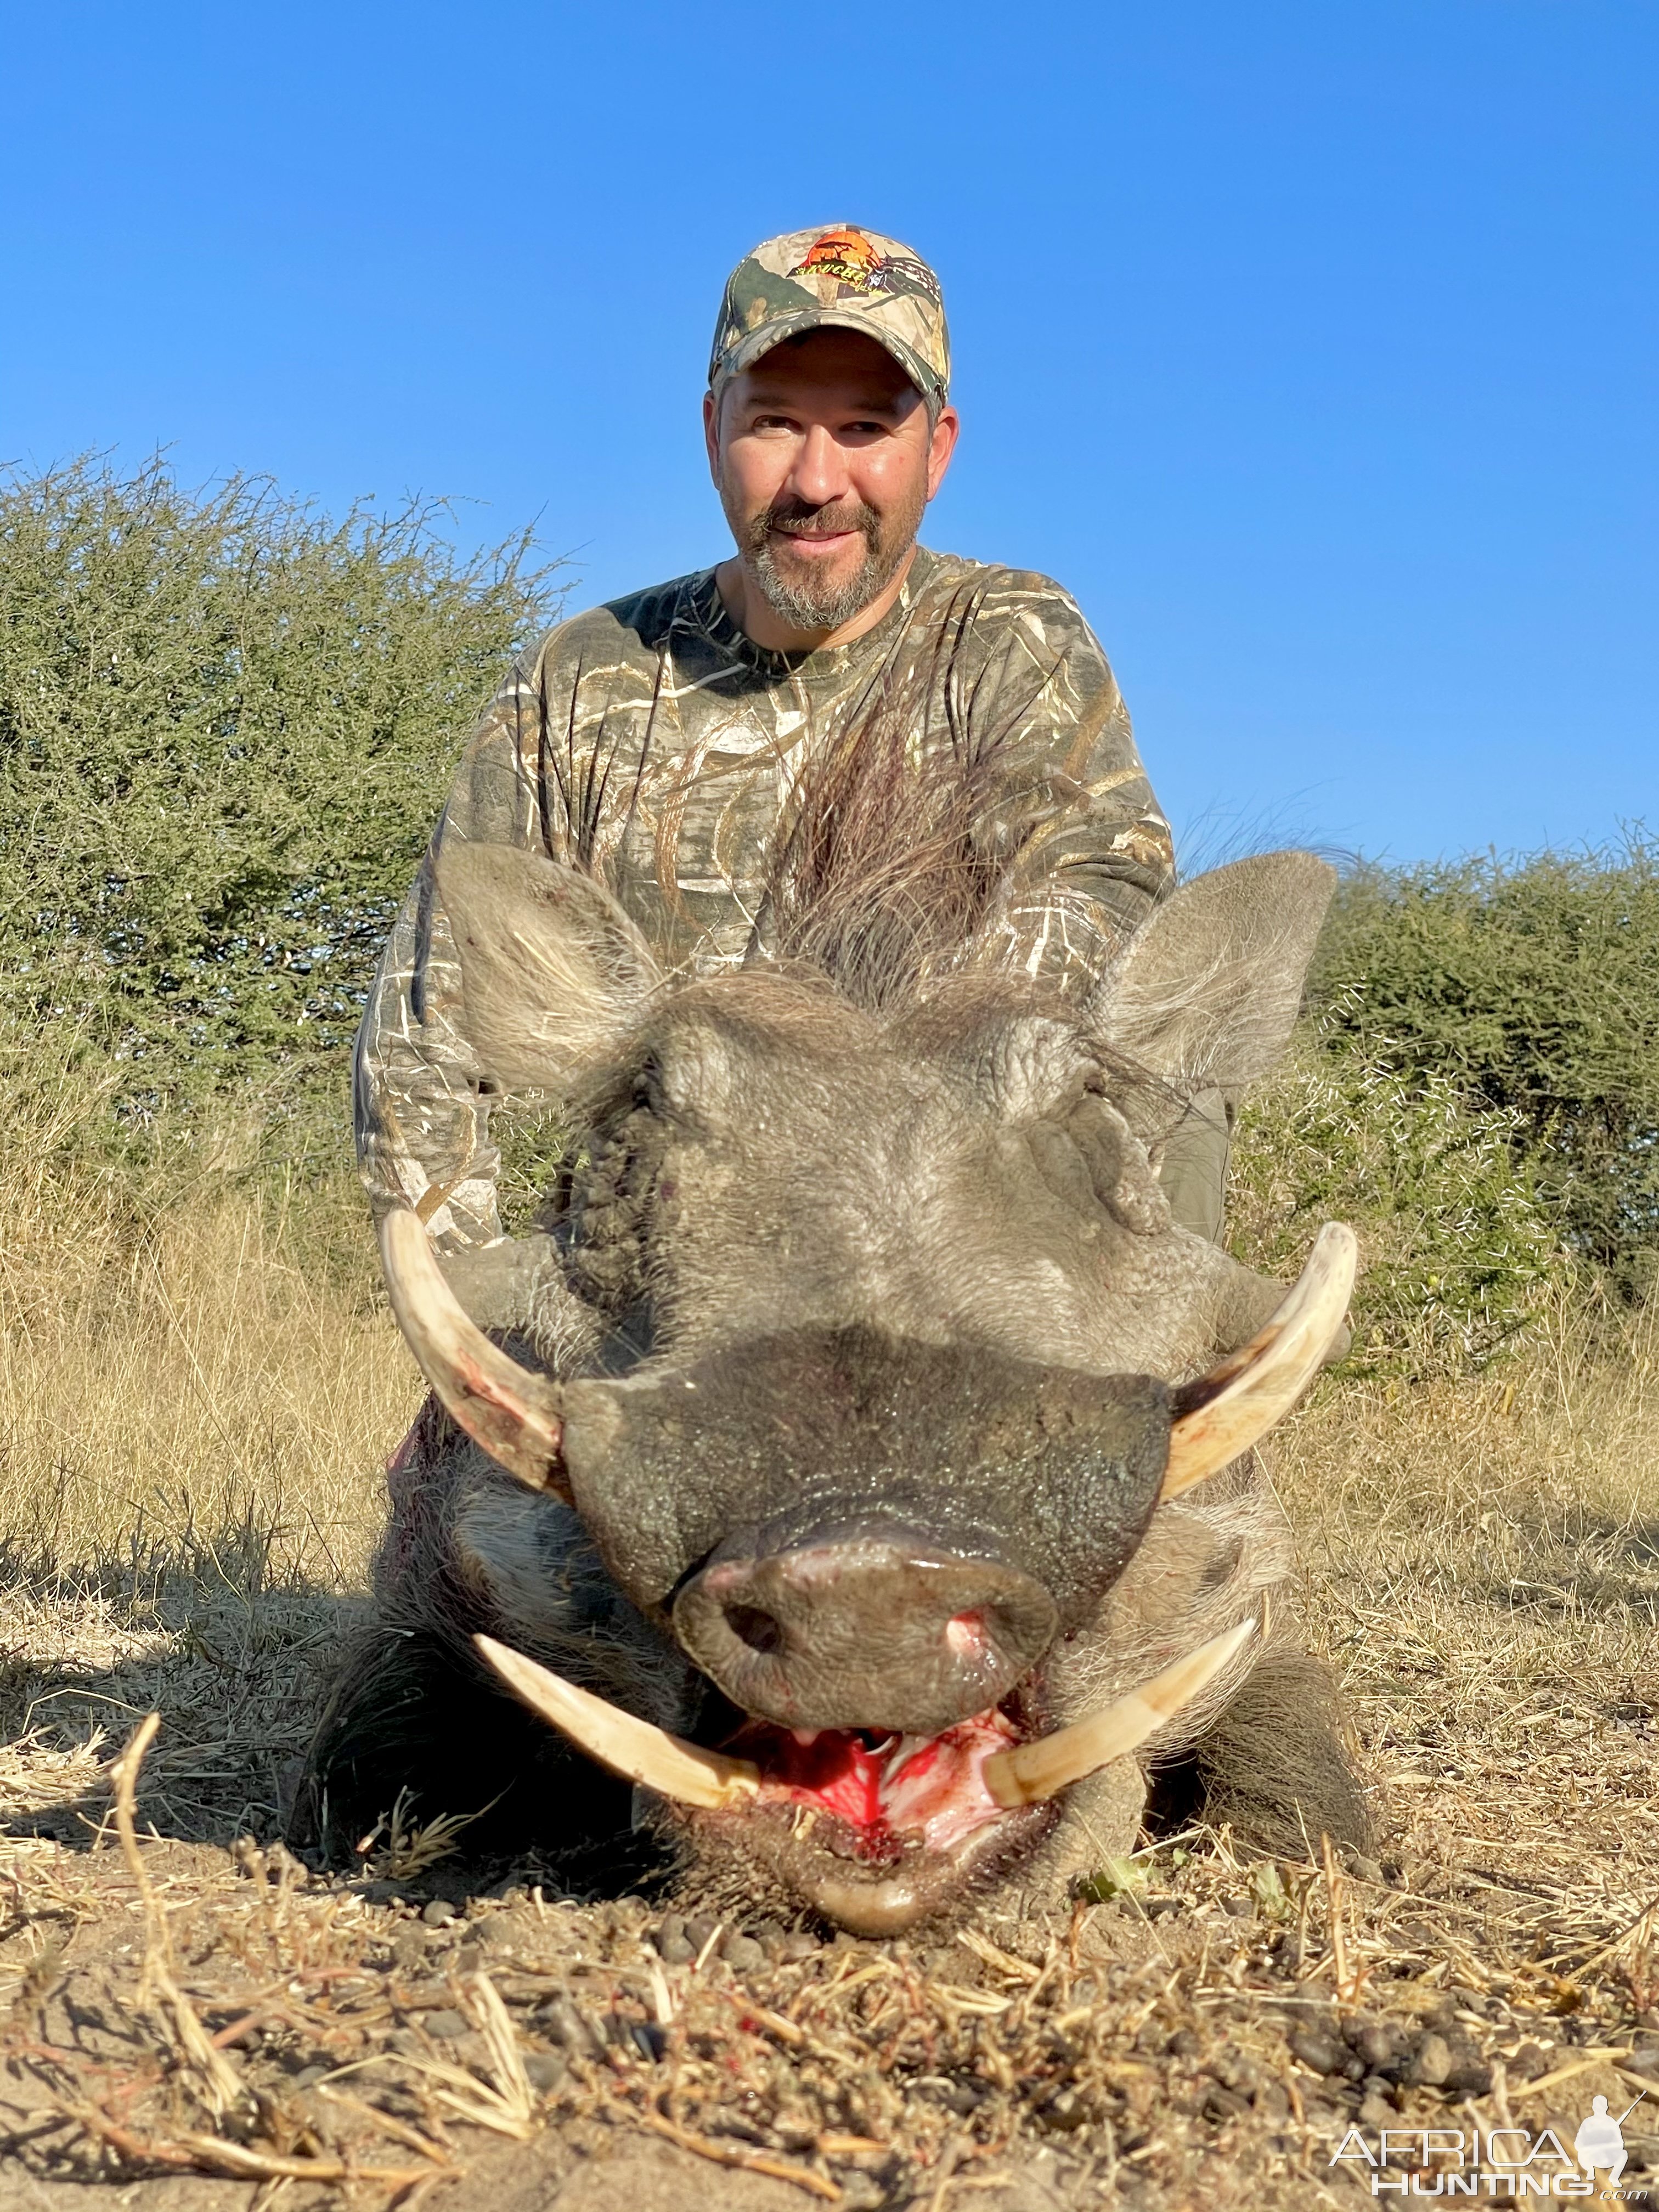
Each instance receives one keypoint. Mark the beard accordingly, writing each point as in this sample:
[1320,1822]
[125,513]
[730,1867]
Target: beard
[793,588]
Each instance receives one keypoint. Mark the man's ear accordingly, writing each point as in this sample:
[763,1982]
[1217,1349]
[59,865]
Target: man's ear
[711,434]
[553,972]
[941,444]
[1205,992]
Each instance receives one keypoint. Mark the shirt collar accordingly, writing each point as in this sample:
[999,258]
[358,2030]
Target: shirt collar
[709,610]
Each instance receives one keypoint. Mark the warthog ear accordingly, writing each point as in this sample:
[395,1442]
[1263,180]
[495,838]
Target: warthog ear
[553,972]
[1205,992]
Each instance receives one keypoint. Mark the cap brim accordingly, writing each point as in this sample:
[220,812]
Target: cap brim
[772,333]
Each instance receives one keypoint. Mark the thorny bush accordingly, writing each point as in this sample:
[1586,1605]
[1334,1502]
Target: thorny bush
[227,724]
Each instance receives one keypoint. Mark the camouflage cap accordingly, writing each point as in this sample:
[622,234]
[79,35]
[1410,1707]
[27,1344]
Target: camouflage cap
[844,279]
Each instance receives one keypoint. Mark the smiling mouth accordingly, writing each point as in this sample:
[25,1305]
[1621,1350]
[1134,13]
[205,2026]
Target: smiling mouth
[883,1807]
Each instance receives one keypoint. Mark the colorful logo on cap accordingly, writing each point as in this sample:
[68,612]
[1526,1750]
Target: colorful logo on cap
[846,256]
[851,261]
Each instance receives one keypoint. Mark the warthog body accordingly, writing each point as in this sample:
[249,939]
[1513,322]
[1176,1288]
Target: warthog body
[868,1319]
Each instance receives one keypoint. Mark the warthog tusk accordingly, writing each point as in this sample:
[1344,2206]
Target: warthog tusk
[514,1413]
[1033,1771]
[629,1746]
[1223,1412]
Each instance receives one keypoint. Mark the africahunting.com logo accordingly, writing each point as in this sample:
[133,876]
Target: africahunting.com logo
[1496,2162]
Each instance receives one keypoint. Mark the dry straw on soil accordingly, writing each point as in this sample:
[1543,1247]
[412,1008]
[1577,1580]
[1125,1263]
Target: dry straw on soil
[196,1395]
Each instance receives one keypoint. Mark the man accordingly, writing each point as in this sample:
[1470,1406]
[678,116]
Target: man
[658,741]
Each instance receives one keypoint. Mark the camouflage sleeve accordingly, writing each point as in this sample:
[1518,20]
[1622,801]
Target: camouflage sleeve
[1088,851]
[422,1102]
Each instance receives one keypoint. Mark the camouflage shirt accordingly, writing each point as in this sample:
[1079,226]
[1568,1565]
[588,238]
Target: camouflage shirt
[652,742]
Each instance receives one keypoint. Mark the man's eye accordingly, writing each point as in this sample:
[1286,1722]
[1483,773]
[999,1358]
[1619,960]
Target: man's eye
[770,423]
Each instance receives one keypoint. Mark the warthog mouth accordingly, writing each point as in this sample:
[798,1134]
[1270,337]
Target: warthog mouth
[877,1831]
[882,1793]
[873,1831]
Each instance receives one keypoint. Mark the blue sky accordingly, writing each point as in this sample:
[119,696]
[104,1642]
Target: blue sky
[1312,346]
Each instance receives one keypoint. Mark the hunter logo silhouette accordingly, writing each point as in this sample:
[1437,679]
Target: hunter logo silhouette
[1599,2142]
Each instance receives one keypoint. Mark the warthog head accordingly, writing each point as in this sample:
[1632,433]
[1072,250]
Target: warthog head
[877,1380]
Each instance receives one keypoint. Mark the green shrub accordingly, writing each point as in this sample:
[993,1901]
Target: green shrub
[227,725]
[1534,987]
[1459,1248]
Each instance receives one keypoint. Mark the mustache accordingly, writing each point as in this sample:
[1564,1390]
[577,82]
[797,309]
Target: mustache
[790,518]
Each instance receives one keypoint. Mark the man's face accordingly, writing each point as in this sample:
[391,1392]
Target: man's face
[824,459]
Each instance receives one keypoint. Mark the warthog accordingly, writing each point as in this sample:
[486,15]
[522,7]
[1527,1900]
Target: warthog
[859,1475]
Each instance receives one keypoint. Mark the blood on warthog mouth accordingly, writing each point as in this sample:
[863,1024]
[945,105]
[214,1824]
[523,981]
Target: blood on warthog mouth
[884,1787]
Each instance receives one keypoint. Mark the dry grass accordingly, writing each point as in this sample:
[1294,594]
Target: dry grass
[1482,1565]
[195,1401]
[185,1354]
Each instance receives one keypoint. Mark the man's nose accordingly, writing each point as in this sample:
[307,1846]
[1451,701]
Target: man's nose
[820,475]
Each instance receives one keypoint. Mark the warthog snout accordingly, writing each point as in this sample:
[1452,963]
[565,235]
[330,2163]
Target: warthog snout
[870,1626]
[847,1529]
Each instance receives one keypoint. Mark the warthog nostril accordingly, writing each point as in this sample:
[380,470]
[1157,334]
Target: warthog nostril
[760,1630]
